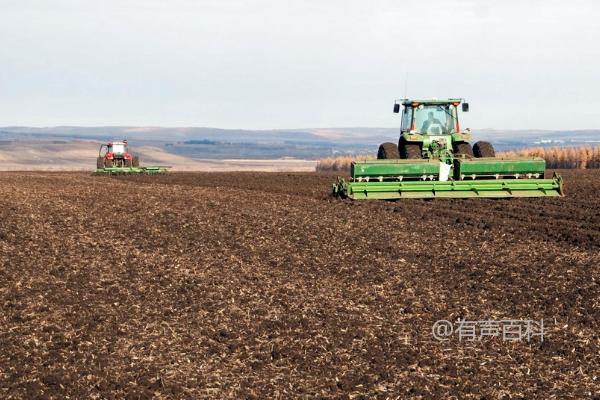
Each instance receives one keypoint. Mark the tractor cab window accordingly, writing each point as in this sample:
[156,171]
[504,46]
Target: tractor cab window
[406,119]
[436,119]
[118,148]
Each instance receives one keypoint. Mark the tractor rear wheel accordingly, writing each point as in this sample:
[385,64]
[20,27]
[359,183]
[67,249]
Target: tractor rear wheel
[462,149]
[135,161]
[127,163]
[483,149]
[388,151]
[100,162]
[409,151]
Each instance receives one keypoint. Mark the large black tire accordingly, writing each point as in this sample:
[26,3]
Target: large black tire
[409,151]
[462,149]
[135,161]
[388,151]
[127,163]
[100,162]
[483,149]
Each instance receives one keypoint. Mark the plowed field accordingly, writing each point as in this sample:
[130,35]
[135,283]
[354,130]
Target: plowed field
[259,285]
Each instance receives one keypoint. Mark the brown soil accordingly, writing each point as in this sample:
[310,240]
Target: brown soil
[259,285]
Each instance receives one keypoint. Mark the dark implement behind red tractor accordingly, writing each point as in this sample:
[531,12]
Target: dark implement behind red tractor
[116,154]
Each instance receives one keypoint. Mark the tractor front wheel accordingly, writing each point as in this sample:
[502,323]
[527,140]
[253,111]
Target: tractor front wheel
[483,149]
[463,149]
[388,151]
[409,151]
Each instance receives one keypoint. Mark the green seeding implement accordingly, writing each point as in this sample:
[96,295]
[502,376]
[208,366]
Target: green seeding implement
[433,158]
[132,170]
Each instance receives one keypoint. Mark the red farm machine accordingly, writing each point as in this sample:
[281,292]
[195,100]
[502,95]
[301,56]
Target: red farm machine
[115,158]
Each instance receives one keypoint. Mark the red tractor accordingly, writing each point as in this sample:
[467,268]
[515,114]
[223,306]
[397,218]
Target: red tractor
[116,155]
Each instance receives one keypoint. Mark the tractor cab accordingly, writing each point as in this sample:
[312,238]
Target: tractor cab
[116,149]
[430,117]
[115,154]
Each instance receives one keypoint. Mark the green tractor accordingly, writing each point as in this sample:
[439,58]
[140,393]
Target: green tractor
[434,158]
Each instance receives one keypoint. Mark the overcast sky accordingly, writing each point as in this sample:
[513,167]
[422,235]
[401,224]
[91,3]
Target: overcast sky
[294,64]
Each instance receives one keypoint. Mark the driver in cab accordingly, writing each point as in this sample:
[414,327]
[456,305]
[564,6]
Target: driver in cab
[431,122]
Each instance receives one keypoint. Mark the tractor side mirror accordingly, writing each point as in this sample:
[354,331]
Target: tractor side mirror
[465,107]
[396,108]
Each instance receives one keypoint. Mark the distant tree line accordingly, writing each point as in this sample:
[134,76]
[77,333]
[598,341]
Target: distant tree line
[340,163]
[582,157]
[201,141]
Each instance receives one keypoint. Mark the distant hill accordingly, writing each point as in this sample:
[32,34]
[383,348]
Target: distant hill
[80,155]
[201,143]
[160,134]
